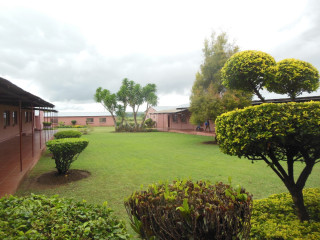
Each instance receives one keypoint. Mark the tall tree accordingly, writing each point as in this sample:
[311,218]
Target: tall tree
[209,96]
[108,101]
[122,96]
[150,97]
[135,98]
[293,77]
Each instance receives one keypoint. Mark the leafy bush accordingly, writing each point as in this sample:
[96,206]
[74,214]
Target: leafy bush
[187,210]
[288,132]
[73,122]
[67,134]
[65,151]
[150,123]
[41,217]
[274,217]
[46,124]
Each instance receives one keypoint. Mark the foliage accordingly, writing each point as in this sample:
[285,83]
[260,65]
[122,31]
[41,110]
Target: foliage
[274,217]
[108,101]
[248,71]
[287,132]
[67,134]
[293,77]
[73,122]
[65,151]
[209,97]
[46,124]
[150,123]
[187,210]
[210,104]
[41,217]
[72,126]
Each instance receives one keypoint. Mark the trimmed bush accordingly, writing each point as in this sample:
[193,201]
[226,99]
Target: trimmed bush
[41,217]
[65,151]
[274,217]
[73,122]
[150,123]
[187,210]
[67,134]
[274,133]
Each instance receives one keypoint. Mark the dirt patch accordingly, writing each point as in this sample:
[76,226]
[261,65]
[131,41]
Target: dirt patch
[53,180]
[210,142]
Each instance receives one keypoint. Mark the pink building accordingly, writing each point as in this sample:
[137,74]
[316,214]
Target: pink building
[173,118]
[95,119]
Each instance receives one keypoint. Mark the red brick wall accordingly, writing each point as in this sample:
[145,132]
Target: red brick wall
[82,121]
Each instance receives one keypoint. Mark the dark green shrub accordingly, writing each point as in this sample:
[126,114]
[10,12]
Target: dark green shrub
[73,122]
[150,123]
[65,151]
[41,217]
[275,133]
[187,210]
[67,134]
[275,218]
[46,124]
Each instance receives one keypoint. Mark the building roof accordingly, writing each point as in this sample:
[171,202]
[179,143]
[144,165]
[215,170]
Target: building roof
[284,100]
[83,114]
[11,94]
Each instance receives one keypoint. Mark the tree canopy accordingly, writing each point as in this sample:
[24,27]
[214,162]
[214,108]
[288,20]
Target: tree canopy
[209,97]
[287,132]
[248,71]
[293,77]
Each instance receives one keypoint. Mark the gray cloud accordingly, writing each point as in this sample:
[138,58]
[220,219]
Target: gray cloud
[58,59]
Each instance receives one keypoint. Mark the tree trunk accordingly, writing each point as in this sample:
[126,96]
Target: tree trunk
[114,121]
[298,201]
[256,91]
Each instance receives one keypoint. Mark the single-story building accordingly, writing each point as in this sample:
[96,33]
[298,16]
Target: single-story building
[96,119]
[20,144]
[178,118]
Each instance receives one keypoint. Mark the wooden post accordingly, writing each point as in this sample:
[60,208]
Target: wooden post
[32,129]
[20,134]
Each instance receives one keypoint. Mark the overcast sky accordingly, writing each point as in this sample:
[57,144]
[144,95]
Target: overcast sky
[62,51]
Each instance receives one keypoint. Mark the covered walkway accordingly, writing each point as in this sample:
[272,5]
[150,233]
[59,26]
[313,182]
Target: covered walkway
[10,166]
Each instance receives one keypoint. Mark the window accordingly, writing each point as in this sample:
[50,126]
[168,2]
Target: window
[89,120]
[30,116]
[183,118]
[54,120]
[26,116]
[15,118]
[6,118]
[102,120]
[175,118]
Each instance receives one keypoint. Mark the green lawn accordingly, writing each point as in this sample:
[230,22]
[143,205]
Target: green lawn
[121,162]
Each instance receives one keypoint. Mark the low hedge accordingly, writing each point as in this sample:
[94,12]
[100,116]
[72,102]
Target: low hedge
[41,217]
[67,134]
[275,217]
[65,151]
[187,210]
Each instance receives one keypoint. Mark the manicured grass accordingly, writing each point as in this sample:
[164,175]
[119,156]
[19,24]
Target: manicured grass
[121,162]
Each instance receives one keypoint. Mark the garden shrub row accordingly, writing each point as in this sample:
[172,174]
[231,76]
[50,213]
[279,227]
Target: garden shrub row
[275,217]
[40,217]
[187,210]
[67,134]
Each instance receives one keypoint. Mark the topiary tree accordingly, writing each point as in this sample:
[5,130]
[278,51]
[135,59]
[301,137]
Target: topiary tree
[275,133]
[293,77]
[248,71]
[65,151]
[73,122]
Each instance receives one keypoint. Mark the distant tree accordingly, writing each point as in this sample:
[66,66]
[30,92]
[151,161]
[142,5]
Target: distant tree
[135,98]
[150,98]
[293,77]
[209,96]
[108,101]
[249,71]
[281,135]
[122,96]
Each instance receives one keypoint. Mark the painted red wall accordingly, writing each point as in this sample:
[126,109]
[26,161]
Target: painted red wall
[82,121]
[12,130]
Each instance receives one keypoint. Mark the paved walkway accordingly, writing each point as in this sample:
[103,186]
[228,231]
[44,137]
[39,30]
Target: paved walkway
[10,169]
